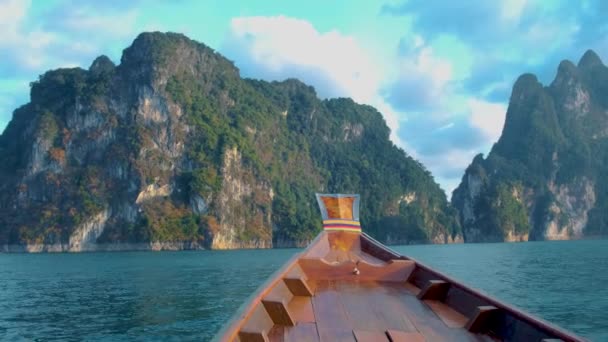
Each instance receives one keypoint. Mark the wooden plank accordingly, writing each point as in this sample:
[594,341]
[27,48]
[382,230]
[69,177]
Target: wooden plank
[298,286]
[245,336]
[378,250]
[231,330]
[434,290]
[304,332]
[413,289]
[449,316]
[479,322]
[279,313]
[297,282]
[301,309]
[373,306]
[277,334]
[370,336]
[359,307]
[430,325]
[397,271]
[257,326]
[319,249]
[276,302]
[332,322]
[402,336]
[464,302]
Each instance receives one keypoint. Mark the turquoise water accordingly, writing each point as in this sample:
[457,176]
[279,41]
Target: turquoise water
[188,295]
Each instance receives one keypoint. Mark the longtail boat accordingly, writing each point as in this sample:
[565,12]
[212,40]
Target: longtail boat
[346,286]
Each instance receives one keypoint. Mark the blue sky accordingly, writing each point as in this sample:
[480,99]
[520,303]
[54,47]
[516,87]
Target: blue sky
[441,72]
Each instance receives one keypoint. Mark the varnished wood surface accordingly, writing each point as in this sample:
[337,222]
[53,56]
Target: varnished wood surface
[400,336]
[398,270]
[377,307]
[348,287]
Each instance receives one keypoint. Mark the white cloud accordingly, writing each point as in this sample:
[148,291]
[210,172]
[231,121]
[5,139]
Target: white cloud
[488,117]
[275,48]
[281,47]
[12,13]
[448,166]
[19,45]
[420,82]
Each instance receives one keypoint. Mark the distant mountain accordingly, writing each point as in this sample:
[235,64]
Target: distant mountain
[172,149]
[547,176]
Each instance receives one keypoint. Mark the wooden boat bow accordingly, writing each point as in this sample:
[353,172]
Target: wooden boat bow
[346,286]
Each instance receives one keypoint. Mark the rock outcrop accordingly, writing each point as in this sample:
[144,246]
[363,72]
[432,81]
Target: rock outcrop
[545,178]
[172,149]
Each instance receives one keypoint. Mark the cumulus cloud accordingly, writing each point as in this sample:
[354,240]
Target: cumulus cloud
[413,90]
[66,34]
[488,117]
[21,49]
[445,143]
[421,81]
[502,40]
[281,47]
[510,37]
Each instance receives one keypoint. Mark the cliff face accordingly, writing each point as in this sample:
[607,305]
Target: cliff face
[171,149]
[545,178]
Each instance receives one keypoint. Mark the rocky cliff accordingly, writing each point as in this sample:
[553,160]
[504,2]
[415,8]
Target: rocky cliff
[172,149]
[545,178]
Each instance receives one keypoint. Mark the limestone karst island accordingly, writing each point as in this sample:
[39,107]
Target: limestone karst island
[173,149]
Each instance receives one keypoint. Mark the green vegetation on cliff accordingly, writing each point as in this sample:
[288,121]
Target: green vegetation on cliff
[546,174]
[172,145]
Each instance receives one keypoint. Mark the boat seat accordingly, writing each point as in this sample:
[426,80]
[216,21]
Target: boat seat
[276,303]
[297,282]
[435,290]
[256,327]
[479,321]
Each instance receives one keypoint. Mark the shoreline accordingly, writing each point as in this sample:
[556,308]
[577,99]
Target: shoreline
[102,247]
[193,246]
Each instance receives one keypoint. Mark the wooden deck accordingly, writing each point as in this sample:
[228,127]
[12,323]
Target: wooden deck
[348,287]
[371,311]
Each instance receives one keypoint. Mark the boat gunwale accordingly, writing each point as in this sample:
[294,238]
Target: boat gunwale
[517,313]
[230,329]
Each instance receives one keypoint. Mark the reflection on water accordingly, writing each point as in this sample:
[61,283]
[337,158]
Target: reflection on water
[189,295]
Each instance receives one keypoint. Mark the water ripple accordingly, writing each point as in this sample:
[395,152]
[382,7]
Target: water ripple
[187,296]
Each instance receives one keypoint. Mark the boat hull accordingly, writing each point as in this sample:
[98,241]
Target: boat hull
[346,286]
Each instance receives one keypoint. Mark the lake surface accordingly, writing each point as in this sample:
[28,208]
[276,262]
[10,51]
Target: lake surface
[167,296]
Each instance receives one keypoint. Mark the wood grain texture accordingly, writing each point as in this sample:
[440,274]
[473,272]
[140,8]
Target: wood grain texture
[396,271]
[332,321]
[304,332]
[276,304]
[374,306]
[301,309]
[370,336]
[258,322]
[402,336]
[449,316]
[482,319]
[391,297]
[412,288]
[434,290]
